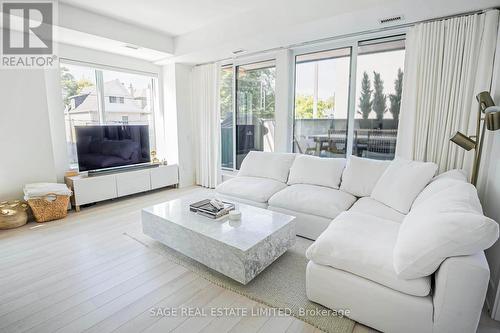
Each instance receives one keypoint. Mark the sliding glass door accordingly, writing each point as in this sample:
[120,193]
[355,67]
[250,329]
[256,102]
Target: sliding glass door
[379,86]
[321,103]
[346,100]
[255,102]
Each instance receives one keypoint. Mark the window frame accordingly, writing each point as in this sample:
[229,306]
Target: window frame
[352,42]
[235,64]
[156,87]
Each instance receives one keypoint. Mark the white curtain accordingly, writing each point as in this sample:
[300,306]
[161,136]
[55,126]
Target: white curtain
[447,64]
[206,117]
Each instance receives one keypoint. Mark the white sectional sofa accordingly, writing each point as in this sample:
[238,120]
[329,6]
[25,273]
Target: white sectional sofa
[400,248]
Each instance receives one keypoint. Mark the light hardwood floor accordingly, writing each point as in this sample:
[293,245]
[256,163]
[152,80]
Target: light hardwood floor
[83,274]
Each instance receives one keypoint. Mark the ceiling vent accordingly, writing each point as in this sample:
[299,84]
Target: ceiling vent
[391,19]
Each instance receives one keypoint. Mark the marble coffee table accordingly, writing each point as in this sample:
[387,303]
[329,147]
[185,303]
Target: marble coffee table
[238,249]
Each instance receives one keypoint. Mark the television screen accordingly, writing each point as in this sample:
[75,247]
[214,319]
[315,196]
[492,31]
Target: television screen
[113,146]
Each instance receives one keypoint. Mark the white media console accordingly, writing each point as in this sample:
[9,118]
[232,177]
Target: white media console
[121,183]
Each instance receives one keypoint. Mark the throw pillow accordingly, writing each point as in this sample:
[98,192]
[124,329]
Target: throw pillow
[401,182]
[315,170]
[361,174]
[451,224]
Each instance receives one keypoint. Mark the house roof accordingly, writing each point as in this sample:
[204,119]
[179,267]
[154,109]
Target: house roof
[111,88]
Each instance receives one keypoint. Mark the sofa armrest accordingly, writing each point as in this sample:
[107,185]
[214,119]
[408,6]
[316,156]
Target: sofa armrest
[460,288]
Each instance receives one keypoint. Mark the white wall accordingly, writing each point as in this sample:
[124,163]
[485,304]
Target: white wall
[25,141]
[178,121]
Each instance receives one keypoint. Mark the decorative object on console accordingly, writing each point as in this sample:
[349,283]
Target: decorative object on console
[13,214]
[491,121]
[154,158]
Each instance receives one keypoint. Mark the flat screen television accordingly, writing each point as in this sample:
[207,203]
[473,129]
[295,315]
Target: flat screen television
[111,146]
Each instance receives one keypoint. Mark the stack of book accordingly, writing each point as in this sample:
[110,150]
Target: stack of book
[205,208]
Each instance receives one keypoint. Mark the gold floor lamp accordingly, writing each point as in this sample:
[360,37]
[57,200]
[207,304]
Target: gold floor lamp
[490,114]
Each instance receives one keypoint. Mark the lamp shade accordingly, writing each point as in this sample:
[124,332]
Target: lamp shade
[463,141]
[492,118]
[485,100]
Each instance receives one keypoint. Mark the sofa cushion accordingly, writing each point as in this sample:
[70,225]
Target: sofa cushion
[401,182]
[312,199]
[449,223]
[361,174]
[363,245]
[372,207]
[250,188]
[267,165]
[439,183]
[315,170]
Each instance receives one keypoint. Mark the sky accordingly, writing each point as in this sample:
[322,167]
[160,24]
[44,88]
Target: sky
[333,78]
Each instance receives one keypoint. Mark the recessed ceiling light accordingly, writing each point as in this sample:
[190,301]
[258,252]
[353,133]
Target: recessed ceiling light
[133,47]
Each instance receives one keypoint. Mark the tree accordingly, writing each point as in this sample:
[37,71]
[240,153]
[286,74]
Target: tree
[256,92]
[379,102]
[226,93]
[304,106]
[70,86]
[365,103]
[395,98]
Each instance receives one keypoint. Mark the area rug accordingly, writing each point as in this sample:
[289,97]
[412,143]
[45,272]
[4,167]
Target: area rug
[282,285]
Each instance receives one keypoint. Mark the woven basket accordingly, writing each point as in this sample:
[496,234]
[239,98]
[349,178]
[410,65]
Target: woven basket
[49,207]
[13,214]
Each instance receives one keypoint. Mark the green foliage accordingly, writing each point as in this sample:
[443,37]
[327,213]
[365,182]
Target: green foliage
[256,92]
[70,86]
[226,92]
[365,103]
[379,102]
[395,98]
[304,107]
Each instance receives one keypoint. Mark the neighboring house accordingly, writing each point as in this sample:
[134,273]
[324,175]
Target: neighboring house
[121,106]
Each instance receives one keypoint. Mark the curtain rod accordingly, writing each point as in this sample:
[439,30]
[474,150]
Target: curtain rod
[354,34]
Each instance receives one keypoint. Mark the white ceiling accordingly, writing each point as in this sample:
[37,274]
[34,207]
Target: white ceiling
[208,30]
[173,17]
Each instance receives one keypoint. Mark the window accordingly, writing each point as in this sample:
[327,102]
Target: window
[254,108]
[81,106]
[226,115]
[379,85]
[321,103]
[323,110]
[134,96]
[116,99]
[126,99]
